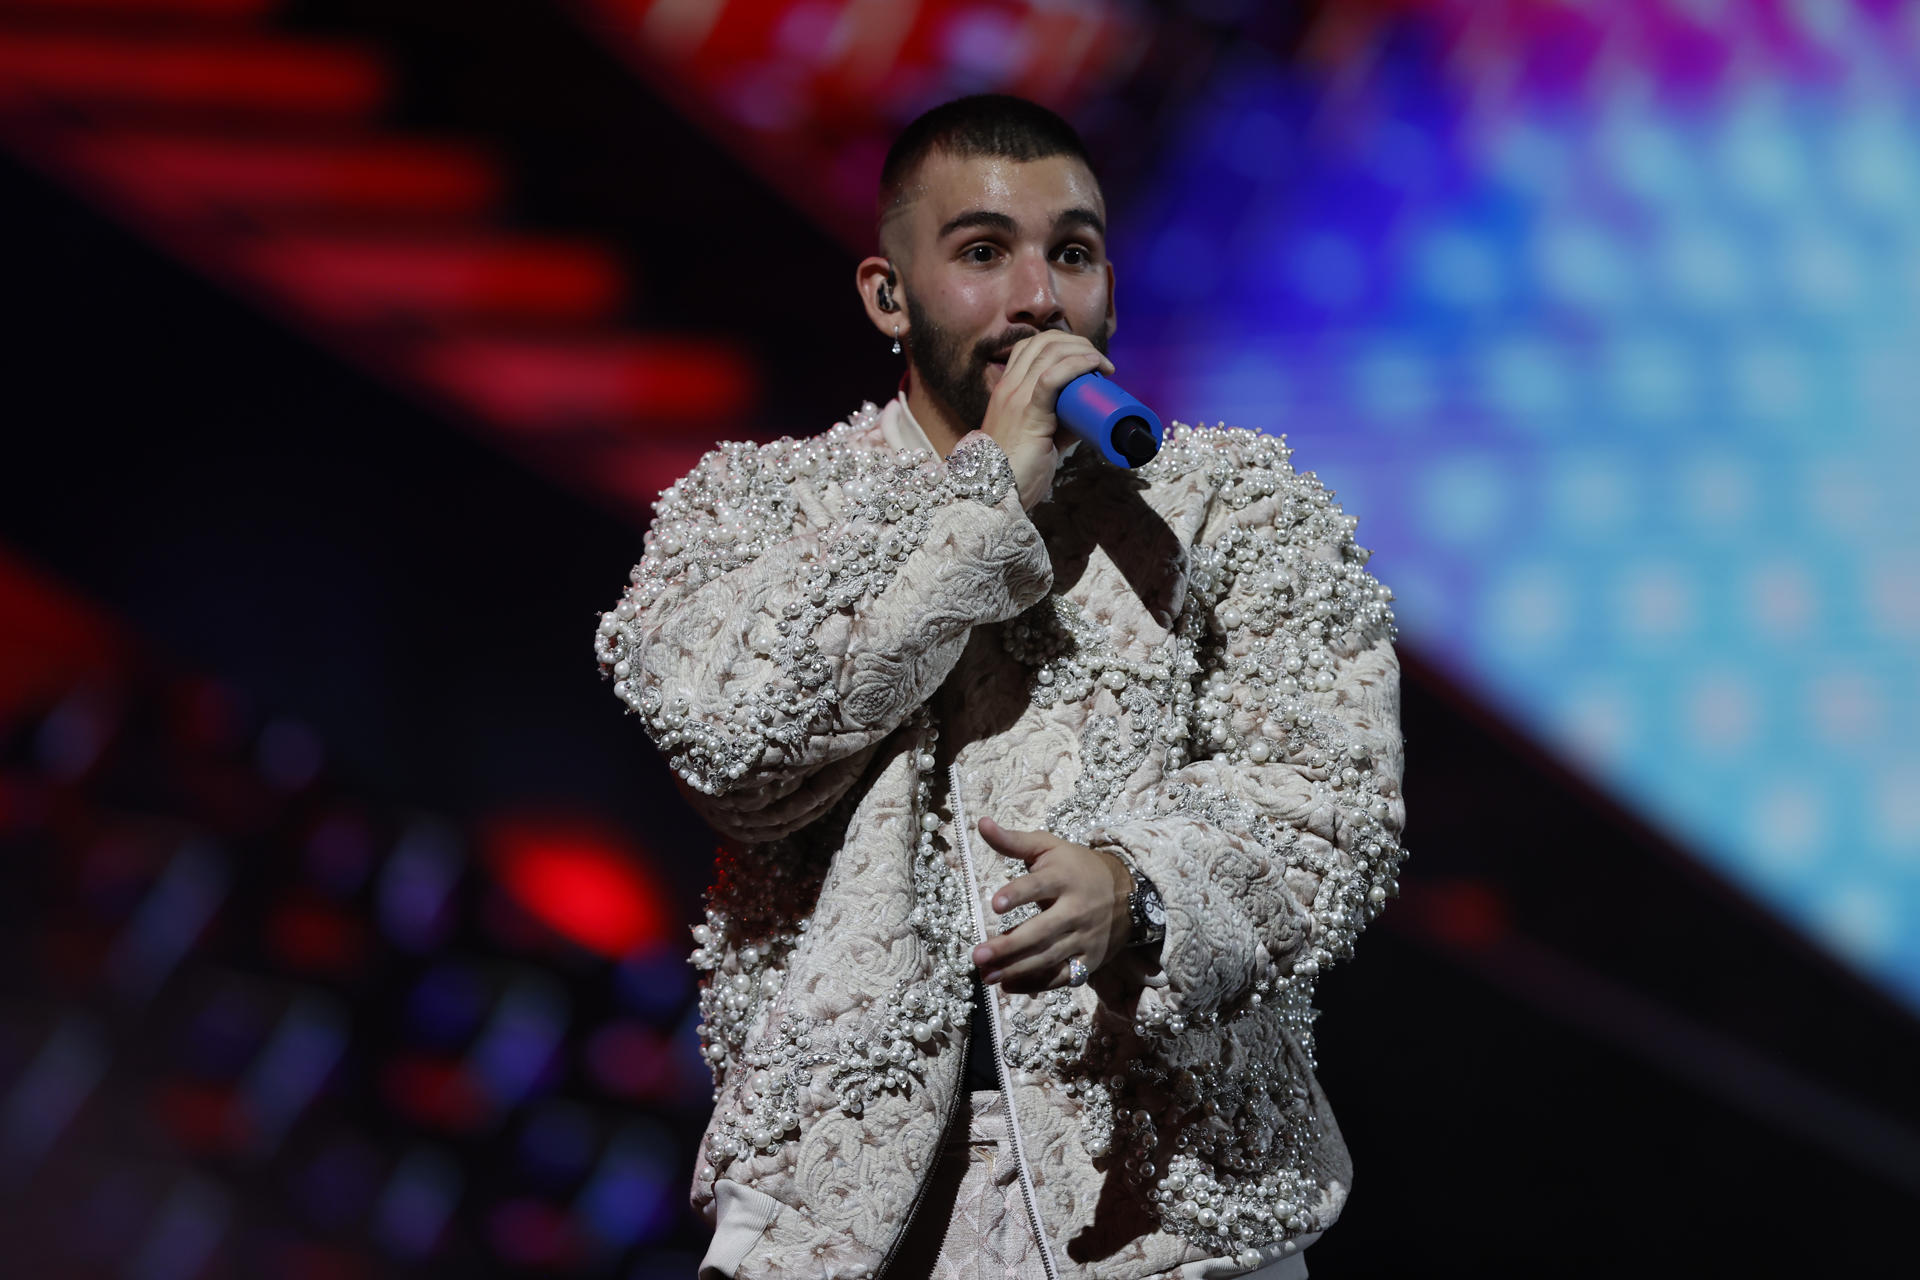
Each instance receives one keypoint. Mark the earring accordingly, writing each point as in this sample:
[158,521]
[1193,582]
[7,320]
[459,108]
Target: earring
[896,339]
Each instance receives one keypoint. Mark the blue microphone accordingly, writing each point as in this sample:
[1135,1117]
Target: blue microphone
[1126,432]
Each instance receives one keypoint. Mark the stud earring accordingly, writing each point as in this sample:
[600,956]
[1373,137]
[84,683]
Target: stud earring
[896,339]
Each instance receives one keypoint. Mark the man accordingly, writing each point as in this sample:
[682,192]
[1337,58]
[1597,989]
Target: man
[1052,785]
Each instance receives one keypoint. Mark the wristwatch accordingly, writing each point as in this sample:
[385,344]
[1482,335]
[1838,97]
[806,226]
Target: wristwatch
[1149,914]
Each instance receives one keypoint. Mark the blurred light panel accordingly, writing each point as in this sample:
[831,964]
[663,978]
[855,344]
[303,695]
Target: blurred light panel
[1602,319]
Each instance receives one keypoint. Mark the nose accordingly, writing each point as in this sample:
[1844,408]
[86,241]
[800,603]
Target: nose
[1033,299]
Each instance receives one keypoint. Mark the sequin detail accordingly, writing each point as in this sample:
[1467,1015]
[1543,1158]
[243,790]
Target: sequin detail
[744,949]
[740,501]
[1206,1101]
[1242,679]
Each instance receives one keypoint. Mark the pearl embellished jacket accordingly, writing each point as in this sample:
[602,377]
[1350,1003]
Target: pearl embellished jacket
[849,649]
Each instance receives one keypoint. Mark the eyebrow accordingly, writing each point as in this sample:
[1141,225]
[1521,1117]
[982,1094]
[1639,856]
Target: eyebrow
[982,218]
[1081,218]
[989,220]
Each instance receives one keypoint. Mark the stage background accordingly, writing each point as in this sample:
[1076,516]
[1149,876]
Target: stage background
[348,344]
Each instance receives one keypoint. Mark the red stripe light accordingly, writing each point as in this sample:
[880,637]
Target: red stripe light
[253,74]
[186,174]
[198,9]
[354,278]
[606,381]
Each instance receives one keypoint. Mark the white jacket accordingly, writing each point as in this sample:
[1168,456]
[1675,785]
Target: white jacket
[850,649]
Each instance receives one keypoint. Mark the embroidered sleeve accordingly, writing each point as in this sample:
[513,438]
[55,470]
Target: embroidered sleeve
[797,601]
[1274,836]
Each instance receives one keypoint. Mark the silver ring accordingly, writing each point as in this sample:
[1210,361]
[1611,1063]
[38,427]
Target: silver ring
[1077,972]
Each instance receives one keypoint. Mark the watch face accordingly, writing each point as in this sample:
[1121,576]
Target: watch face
[1150,908]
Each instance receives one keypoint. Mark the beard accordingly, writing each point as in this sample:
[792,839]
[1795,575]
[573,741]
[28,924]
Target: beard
[954,374]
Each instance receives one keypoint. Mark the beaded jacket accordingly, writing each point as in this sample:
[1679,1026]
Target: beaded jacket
[843,643]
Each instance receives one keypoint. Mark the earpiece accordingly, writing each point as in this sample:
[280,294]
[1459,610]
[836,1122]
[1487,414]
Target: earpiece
[884,295]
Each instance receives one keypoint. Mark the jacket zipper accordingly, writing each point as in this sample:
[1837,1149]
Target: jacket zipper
[998,1037]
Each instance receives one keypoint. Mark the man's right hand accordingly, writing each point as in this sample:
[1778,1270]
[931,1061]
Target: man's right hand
[1020,411]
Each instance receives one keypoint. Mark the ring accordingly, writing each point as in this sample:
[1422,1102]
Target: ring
[1077,972]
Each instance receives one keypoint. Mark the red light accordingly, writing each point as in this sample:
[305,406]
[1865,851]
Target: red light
[49,639]
[249,73]
[1468,914]
[435,1092]
[580,880]
[200,1117]
[316,938]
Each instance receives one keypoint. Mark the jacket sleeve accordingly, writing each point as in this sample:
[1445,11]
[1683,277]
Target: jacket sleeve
[797,601]
[1273,834]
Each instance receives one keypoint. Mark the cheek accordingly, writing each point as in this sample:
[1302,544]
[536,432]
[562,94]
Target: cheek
[1086,304]
[966,307]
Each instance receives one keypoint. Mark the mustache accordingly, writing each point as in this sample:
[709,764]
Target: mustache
[997,347]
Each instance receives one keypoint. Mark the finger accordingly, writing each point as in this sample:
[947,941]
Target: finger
[1021,355]
[1030,938]
[1035,886]
[1027,936]
[1055,374]
[1024,845]
[1053,370]
[1028,353]
[1036,971]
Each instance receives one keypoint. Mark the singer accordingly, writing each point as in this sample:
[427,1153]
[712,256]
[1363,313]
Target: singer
[1049,786]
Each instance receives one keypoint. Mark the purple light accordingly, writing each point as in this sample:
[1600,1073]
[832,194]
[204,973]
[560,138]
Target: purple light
[416,884]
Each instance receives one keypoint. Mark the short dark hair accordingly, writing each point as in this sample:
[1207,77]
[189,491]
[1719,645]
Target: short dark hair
[982,124]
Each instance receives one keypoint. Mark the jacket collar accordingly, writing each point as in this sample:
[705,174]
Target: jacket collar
[902,430]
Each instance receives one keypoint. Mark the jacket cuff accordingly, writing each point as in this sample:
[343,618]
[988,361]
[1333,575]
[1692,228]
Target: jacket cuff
[1215,954]
[978,469]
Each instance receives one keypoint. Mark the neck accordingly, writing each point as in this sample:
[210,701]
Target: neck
[942,432]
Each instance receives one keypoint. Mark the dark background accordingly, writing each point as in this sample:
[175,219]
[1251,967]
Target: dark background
[1566,1049]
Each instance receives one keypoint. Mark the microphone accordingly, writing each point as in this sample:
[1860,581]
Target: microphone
[1126,432]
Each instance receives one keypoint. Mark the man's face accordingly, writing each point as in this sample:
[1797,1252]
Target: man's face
[997,250]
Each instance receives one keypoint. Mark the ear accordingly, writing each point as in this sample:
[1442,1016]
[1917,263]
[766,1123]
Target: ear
[867,278]
[1113,317]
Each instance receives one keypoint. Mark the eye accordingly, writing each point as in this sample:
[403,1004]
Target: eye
[980,254]
[1076,255]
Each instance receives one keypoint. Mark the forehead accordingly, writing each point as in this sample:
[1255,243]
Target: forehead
[1031,192]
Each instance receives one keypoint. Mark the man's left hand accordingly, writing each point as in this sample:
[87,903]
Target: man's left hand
[1083,895]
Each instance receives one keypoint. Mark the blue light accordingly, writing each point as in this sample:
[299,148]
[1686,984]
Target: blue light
[513,1054]
[1762,162]
[1525,379]
[418,1201]
[1461,269]
[308,1043]
[634,1192]
[1328,269]
[1583,268]
[1703,267]
[1625,381]
[1651,377]
[1394,384]
[416,883]
[1464,500]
